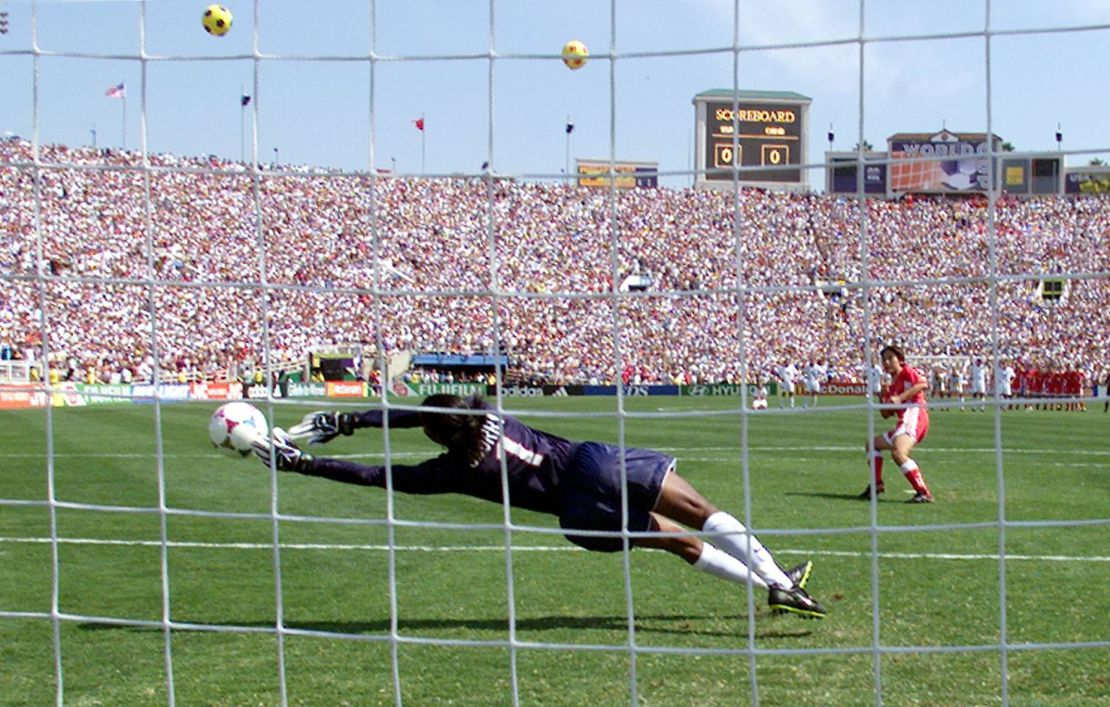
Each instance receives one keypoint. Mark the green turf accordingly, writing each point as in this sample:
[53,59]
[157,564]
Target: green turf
[937,573]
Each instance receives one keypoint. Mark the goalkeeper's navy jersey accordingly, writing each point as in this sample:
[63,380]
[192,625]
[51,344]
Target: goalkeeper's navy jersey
[534,461]
[590,486]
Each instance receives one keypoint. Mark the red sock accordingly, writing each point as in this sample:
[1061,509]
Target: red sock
[913,475]
[877,467]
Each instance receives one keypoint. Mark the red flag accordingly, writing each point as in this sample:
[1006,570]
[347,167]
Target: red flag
[117,91]
[419,123]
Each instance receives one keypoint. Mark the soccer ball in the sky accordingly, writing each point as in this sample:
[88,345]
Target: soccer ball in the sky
[575,54]
[217,20]
[235,425]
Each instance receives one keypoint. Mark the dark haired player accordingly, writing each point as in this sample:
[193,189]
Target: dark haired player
[908,390]
[579,482]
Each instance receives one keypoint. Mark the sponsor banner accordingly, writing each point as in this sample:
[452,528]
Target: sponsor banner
[562,391]
[216,391]
[627,175]
[700,390]
[422,390]
[260,391]
[306,390]
[21,397]
[630,391]
[341,389]
[599,390]
[63,395]
[98,394]
[844,388]
[945,162]
[725,389]
[167,392]
[518,391]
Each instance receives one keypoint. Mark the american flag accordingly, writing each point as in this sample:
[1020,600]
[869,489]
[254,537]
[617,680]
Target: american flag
[117,91]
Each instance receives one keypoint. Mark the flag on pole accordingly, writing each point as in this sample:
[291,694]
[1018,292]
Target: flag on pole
[244,101]
[419,123]
[117,91]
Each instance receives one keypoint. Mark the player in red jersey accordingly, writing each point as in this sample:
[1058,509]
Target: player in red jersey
[1033,382]
[1073,388]
[908,390]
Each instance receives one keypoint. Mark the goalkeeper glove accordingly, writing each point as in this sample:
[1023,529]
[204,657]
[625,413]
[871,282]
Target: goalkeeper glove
[280,450]
[323,426]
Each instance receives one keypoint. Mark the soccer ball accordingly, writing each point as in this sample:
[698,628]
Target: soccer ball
[217,20]
[234,426]
[575,54]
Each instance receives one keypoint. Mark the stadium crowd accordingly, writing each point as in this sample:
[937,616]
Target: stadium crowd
[218,265]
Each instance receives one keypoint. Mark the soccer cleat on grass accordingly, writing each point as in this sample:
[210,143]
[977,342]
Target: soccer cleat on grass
[879,488]
[795,601]
[799,574]
[921,498]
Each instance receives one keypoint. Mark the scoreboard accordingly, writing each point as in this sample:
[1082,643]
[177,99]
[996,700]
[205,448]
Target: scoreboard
[759,134]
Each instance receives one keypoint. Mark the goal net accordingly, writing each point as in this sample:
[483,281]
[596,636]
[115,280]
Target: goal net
[400,175]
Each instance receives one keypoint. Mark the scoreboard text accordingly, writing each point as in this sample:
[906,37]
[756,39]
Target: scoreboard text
[760,135]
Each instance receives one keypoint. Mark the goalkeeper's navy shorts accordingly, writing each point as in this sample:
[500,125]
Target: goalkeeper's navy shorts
[591,492]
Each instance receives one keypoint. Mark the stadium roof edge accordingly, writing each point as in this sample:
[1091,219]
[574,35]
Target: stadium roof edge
[752,94]
[930,136]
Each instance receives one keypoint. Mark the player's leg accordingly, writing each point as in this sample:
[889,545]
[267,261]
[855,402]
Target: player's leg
[702,555]
[874,450]
[900,453]
[592,490]
[681,502]
[706,558]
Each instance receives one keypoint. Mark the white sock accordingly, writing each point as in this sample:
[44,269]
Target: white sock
[721,564]
[734,539]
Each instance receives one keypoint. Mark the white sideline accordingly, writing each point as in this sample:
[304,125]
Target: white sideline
[524,548]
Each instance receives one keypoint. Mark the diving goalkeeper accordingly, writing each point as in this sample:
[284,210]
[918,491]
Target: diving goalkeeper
[579,482]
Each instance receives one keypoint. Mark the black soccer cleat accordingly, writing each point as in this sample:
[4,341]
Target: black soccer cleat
[866,495]
[921,498]
[799,574]
[795,601]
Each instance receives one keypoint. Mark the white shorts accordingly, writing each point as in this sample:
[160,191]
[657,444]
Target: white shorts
[914,423]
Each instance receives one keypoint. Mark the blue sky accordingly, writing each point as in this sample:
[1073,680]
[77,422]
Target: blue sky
[435,62]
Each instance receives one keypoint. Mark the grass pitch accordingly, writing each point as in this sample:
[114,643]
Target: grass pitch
[920,605]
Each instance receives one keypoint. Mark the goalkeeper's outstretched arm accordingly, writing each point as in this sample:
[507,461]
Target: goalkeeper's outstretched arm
[325,425]
[429,477]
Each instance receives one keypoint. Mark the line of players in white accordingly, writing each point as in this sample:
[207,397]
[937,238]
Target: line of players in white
[951,383]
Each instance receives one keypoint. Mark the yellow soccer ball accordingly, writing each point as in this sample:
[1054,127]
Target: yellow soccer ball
[216,20]
[575,54]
